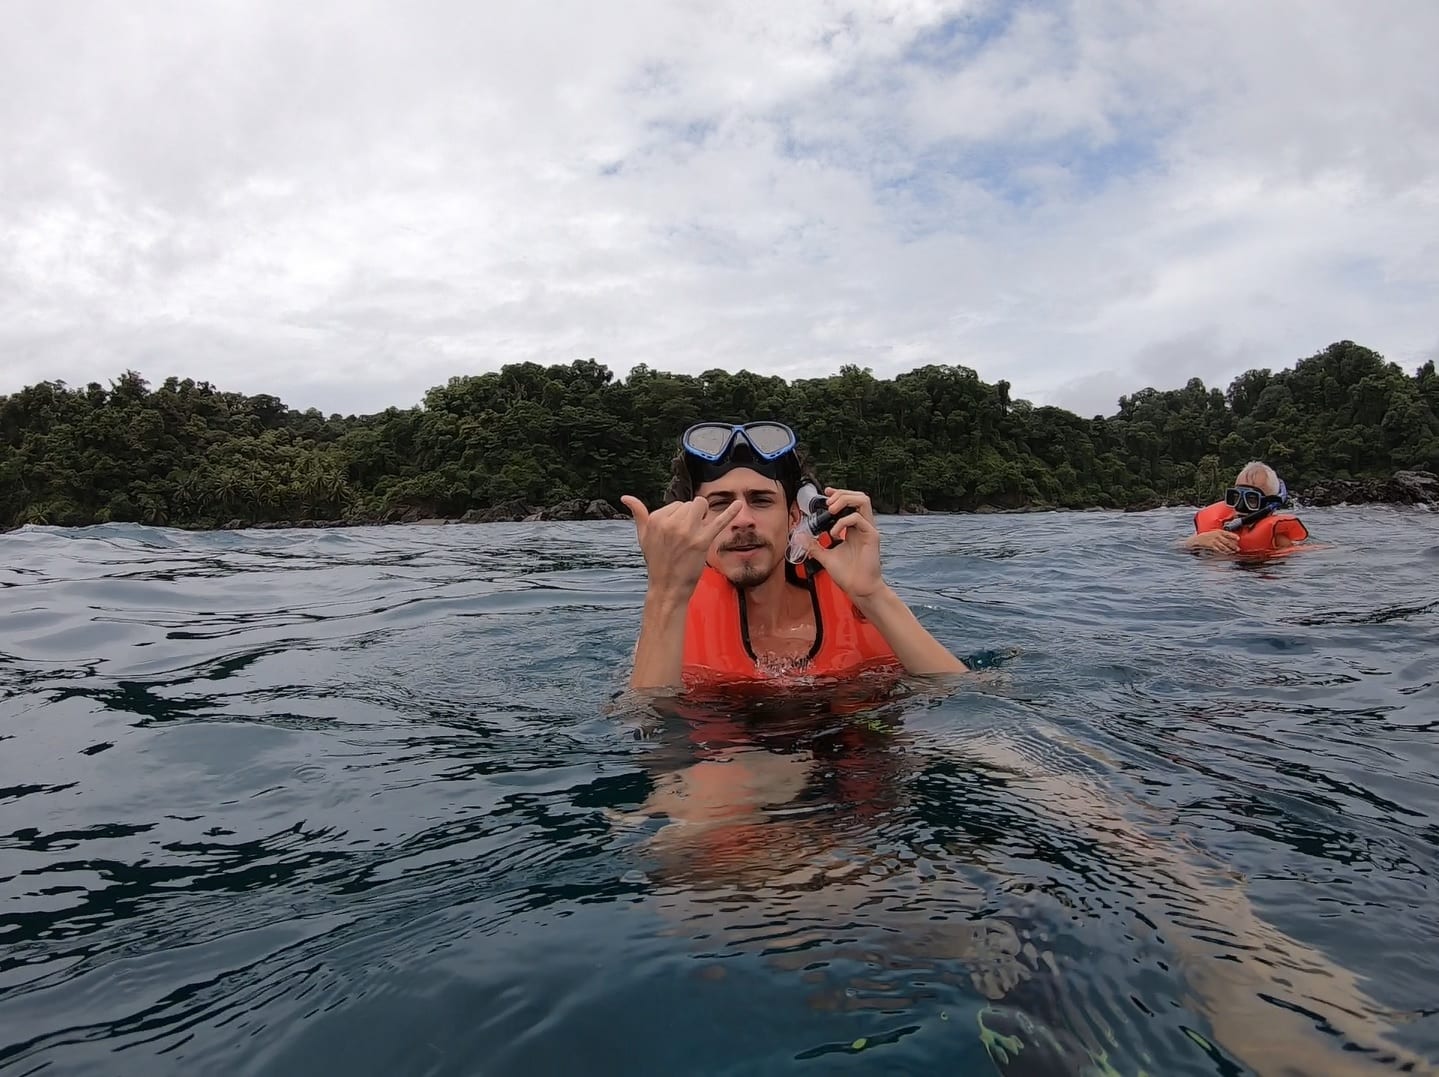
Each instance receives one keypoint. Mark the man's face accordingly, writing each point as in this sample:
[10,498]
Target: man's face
[749,550]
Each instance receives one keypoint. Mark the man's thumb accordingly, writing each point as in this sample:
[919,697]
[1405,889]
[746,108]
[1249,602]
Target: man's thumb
[637,509]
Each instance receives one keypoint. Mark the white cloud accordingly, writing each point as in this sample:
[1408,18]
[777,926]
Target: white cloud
[347,203]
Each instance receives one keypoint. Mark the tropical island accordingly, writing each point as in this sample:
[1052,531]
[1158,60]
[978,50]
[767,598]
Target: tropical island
[566,441]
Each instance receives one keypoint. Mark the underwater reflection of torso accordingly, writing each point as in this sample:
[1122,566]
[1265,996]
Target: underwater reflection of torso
[718,645]
[1258,537]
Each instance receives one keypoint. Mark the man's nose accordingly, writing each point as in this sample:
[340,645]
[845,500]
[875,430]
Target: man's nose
[744,519]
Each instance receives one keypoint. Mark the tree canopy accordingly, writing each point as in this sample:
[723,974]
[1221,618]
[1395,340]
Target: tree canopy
[189,454]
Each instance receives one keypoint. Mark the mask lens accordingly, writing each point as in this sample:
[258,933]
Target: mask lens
[708,440]
[1243,499]
[770,439]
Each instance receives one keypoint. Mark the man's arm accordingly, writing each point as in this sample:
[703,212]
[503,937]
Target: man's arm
[912,643]
[854,566]
[674,540]
[660,650]
[1213,541]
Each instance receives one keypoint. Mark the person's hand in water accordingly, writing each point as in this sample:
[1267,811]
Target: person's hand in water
[1213,542]
[675,539]
[854,564]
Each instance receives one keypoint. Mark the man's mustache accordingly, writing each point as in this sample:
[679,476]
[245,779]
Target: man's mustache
[748,539]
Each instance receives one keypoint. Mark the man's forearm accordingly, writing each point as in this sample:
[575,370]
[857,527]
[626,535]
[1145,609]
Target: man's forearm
[659,653]
[912,644]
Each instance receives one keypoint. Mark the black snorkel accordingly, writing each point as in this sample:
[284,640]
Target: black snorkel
[1239,523]
[815,520]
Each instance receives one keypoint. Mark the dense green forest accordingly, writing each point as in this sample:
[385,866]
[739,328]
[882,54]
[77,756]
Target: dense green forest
[189,454]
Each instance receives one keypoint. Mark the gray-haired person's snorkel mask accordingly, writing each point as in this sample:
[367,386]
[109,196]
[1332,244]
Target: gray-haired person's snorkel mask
[1251,504]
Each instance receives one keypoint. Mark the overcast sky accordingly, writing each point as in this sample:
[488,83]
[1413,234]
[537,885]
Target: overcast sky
[345,203]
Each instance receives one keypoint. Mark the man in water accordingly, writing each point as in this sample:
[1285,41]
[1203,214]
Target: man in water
[724,601]
[1248,519]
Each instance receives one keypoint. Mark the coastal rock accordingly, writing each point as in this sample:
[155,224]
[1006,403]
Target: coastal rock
[1002,502]
[577,509]
[1423,486]
[517,512]
[1408,487]
[565,510]
[505,512]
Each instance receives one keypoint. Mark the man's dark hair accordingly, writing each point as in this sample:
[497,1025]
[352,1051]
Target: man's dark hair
[682,484]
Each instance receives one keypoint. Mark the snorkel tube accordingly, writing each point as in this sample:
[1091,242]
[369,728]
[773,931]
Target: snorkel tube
[815,520]
[1239,523]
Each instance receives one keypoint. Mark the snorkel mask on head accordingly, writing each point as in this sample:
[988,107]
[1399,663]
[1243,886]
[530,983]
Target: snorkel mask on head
[714,449]
[1252,504]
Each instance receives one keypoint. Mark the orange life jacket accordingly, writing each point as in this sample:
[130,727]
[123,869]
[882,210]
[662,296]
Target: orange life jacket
[1258,537]
[717,643]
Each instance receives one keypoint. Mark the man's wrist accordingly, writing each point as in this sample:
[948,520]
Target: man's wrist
[875,603]
[667,602]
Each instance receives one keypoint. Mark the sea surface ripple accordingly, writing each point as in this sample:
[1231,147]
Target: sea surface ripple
[372,801]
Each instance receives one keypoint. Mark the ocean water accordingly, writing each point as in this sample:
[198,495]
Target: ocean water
[371,802]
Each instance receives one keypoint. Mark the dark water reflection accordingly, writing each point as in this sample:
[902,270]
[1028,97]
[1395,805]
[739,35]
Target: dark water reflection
[362,801]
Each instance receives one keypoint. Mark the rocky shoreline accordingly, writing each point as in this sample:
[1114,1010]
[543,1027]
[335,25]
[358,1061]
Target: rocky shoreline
[1409,487]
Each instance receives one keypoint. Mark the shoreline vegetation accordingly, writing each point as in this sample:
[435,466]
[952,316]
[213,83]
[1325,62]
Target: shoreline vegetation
[564,442]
